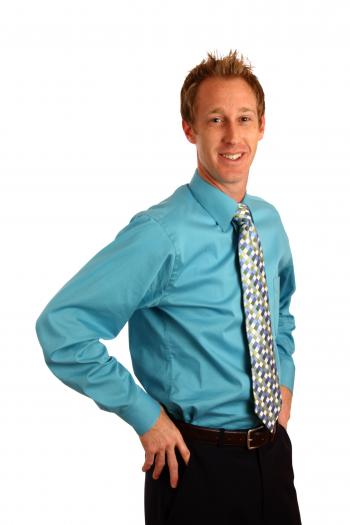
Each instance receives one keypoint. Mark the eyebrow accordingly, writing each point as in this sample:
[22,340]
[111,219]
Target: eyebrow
[220,110]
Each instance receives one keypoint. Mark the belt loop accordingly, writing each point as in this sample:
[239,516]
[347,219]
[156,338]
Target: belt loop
[221,437]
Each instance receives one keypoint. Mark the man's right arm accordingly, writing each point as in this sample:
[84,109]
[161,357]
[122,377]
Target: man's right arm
[129,273]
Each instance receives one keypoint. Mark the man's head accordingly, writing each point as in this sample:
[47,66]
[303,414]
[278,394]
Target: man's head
[223,112]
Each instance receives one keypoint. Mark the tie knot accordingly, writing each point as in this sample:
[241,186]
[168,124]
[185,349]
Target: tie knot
[242,214]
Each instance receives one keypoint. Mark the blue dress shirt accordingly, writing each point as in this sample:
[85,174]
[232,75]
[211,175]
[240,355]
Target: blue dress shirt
[173,274]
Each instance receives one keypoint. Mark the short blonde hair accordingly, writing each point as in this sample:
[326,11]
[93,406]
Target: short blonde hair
[229,66]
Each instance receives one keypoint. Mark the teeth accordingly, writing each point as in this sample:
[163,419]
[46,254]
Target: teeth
[232,157]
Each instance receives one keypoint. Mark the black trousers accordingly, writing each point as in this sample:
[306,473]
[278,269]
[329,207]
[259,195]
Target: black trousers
[226,485]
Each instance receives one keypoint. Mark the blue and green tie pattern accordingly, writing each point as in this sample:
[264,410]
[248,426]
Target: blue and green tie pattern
[266,386]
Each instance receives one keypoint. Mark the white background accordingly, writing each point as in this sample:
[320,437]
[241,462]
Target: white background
[90,133]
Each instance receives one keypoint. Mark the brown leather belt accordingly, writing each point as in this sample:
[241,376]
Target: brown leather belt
[249,439]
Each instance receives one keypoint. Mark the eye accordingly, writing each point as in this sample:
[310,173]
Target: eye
[215,119]
[246,118]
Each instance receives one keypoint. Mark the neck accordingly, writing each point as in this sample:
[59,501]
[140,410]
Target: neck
[234,190]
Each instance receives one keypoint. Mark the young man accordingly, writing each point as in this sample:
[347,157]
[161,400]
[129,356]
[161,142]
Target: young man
[205,280]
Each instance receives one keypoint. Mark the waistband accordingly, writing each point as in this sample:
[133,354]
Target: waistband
[250,439]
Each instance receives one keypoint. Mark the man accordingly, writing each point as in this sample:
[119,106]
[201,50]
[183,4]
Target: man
[205,280]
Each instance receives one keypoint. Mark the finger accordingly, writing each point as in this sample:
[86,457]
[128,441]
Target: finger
[149,459]
[173,467]
[184,451]
[160,462]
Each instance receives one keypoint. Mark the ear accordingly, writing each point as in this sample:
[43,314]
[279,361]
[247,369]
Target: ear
[189,132]
[262,127]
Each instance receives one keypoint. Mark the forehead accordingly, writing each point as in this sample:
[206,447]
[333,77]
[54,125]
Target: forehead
[228,93]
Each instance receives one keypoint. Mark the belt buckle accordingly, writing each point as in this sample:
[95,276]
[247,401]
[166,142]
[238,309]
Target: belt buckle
[249,438]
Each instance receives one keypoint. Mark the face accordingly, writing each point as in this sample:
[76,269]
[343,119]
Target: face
[226,123]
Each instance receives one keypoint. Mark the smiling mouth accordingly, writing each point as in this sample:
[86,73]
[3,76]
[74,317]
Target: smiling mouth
[232,158]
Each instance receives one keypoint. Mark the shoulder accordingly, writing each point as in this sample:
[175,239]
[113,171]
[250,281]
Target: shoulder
[265,210]
[169,213]
[260,203]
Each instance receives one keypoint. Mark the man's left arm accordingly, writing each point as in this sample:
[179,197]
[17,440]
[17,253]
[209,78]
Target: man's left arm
[284,414]
[286,324]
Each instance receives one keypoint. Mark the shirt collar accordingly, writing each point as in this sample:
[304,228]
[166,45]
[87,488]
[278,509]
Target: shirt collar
[218,204]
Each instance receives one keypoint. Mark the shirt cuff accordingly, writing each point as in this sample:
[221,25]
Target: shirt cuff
[287,374]
[143,413]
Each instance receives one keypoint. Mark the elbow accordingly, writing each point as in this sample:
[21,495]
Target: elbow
[42,329]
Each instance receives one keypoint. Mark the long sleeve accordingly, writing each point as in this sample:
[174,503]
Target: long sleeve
[131,272]
[286,323]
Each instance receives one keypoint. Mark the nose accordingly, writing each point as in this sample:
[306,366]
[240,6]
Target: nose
[231,134]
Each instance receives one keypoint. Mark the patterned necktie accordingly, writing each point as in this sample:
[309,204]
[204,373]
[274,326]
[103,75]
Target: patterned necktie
[266,387]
